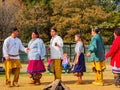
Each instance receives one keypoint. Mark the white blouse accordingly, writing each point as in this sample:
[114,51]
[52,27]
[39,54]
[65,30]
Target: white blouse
[79,48]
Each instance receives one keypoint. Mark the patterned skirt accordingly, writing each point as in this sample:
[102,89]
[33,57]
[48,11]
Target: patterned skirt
[35,67]
[115,69]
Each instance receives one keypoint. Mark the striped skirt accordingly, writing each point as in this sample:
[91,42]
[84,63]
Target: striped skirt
[35,67]
[115,69]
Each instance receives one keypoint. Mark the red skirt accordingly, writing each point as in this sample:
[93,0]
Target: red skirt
[35,67]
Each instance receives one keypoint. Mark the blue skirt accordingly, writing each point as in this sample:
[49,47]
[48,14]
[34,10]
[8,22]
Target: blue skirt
[80,67]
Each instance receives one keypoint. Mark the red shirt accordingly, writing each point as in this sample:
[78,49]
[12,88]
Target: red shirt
[115,52]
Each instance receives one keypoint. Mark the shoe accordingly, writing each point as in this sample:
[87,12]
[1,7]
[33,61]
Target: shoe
[118,86]
[15,84]
[98,83]
[32,82]
[8,84]
[30,75]
[37,82]
[94,82]
[79,82]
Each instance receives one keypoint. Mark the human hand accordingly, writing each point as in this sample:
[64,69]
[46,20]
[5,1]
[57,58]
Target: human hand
[56,44]
[75,62]
[7,57]
[27,49]
[88,54]
[49,48]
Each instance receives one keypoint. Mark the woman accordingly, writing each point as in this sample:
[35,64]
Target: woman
[79,62]
[114,53]
[35,55]
[96,54]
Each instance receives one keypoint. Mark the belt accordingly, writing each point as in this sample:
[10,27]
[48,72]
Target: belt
[13,55]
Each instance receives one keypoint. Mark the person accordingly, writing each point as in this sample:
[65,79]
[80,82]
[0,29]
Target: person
[35,55]
[79,62]
[65,63]
[49,66]
[96,54]
[11,47]
[56,52]
[114,53]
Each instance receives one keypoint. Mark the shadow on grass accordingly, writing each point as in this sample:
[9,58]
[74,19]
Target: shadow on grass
[107,82]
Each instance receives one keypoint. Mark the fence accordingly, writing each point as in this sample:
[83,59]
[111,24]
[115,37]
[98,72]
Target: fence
[68,48]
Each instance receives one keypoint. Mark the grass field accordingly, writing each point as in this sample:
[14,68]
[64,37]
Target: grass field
[68,79]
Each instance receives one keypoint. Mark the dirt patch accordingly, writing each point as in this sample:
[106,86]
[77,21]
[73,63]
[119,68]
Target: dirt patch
[69,80]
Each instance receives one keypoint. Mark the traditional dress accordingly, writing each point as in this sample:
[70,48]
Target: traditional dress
[56,56]
[115,60]
[11,47]
[80,67]
[35,55]
[97,50]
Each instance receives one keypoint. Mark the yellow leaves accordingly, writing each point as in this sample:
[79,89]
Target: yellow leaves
[75,16]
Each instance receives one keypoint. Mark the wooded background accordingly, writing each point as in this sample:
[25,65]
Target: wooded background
[68,16]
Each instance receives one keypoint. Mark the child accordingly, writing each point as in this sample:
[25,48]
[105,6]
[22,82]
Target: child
[65,63]
[49,66]
[79,62]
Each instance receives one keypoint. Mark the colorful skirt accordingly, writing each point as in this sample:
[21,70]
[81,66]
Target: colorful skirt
[80,67]
[35,67]
[115,69]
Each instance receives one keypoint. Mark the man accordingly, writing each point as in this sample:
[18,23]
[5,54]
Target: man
[96,54]
[11,47]
[56,50]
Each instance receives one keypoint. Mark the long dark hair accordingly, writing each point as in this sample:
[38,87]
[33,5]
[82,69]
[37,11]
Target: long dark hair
[36,33]
[80,36]
[117,31]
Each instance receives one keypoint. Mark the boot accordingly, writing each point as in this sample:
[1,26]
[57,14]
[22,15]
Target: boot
[32,82]
[8,84]
[37,82]
[96,78]
[100,79]
[15,84]
[115,80]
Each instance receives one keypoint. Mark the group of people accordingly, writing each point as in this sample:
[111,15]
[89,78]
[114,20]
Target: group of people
[36,52]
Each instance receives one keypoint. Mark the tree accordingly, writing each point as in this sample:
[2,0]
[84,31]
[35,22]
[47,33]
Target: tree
[76,16]
[8,8]
[35,17]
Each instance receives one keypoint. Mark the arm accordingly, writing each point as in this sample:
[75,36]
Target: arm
[43,51]
[59,42]
[76,59]
[21,47]
[5,50]
[113,48]
[93,46]
[78,49]
[39,45]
